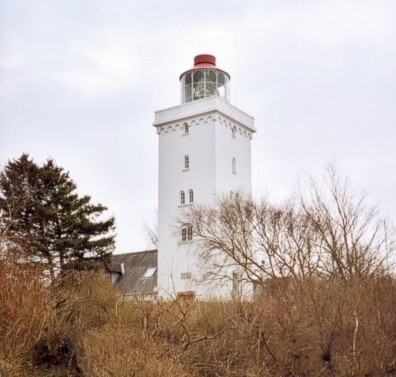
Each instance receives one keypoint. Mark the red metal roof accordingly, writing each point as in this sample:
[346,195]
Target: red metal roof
[204,61]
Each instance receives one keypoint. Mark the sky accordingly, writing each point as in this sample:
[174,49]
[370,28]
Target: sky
[80,82]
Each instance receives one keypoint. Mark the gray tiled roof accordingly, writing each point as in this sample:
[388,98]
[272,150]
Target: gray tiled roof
[135,266]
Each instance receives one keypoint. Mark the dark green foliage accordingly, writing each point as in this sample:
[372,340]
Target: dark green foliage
[39,206]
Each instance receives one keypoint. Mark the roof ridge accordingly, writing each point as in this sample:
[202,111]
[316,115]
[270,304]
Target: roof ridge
[137,252]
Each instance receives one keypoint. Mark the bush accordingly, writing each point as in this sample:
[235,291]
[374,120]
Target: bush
[299,327]
[80,301]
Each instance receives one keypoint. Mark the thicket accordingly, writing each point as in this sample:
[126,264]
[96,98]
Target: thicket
[78,326]
[326,304]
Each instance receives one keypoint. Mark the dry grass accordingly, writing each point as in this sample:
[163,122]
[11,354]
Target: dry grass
[23,311]
[123,351]
[301,328]
[79,327]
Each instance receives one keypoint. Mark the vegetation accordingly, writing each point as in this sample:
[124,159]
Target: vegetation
[41,214]
[326,230]
[24,311]
[79,327]
[326,303]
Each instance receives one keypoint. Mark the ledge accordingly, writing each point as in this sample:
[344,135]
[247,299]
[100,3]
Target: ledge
[201,107]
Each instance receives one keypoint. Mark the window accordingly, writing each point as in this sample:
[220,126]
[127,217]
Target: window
[150,272]
[114,276]
[191,196]
[186,233]
[182,197]
[204,83]
[185,275]
[186,162]
[186,296]
[234,167]
[231,195]
[186,128]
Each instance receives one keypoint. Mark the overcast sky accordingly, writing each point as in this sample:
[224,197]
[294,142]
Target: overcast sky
[80,81]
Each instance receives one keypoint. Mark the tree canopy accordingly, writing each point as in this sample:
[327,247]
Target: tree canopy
[42,214]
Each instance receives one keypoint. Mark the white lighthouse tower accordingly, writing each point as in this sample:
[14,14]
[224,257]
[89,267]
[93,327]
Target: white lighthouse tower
[204,152]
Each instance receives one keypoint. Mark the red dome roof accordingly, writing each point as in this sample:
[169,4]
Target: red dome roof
[204,61]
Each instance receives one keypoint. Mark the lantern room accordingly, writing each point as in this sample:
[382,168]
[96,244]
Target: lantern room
[204,80]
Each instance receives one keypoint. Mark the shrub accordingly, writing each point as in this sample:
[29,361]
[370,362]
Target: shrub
[80,301]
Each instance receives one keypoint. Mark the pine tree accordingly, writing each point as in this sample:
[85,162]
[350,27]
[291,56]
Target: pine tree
[40,209]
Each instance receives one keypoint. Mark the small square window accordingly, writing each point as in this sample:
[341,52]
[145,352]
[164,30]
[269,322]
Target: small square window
[185,275]
[187,296]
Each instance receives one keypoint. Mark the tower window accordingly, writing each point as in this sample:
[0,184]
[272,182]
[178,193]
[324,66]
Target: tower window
[185,275]
[182,197]
[186,296]
[186,162]
[234,165]
[186,128]
[186,233]
[191,196]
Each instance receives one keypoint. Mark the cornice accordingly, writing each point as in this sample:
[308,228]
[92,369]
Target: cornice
[202,120]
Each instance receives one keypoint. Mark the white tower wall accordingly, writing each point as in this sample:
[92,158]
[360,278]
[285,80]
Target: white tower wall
[217,134]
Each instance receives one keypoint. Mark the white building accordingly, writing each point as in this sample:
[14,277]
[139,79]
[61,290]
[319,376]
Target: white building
[204,152]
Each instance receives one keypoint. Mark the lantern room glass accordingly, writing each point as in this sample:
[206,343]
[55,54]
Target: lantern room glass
[204,83]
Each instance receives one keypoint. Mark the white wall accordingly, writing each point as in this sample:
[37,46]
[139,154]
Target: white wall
[210,147]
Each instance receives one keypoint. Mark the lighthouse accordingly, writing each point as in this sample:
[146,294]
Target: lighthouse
[204,154]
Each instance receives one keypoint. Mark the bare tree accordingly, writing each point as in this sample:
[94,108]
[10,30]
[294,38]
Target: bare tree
[257,238]
[326,229]
[151,235]
[354,241]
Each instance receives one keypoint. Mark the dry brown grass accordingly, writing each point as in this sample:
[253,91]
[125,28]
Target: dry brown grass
[123,351]
[298,328]
[23,311]
[303,328]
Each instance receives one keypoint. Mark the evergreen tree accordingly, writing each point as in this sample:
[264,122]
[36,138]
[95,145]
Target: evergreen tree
[39,208]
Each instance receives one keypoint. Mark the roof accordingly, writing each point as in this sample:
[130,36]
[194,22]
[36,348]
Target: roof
[131,268]
[204,61]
